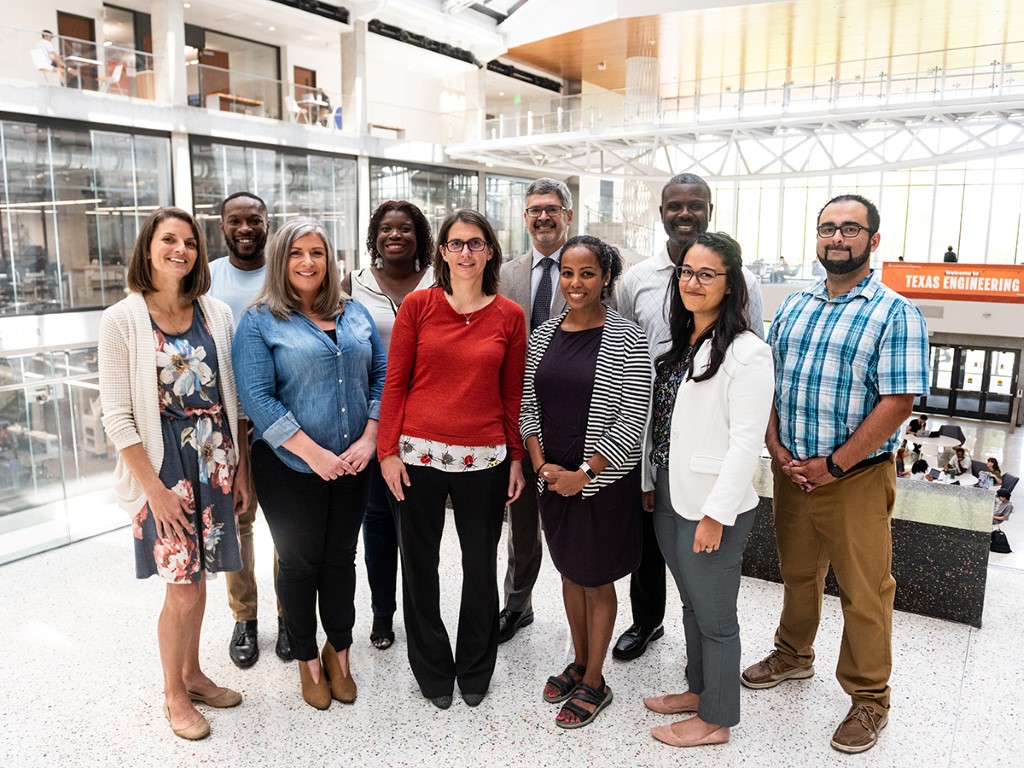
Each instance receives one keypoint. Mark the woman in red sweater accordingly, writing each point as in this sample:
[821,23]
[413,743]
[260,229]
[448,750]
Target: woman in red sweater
[449,426]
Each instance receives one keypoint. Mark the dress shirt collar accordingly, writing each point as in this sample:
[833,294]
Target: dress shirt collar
[538,256]
[866,289]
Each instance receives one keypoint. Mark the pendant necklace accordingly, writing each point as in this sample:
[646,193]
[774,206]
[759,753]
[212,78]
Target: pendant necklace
[469,316]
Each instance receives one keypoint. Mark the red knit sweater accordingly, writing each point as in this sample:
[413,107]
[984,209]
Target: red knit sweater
[454,382]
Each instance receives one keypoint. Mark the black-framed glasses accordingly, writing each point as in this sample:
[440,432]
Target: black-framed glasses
[535,211]
[849,229]
[456,246]
[704,276]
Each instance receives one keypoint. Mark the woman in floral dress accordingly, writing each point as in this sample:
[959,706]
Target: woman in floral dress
[171,409]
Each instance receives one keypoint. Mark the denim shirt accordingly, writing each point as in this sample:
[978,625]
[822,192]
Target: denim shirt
[291,376]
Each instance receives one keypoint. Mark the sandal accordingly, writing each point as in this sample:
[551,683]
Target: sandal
[381,634]
[565,683]
[587,695]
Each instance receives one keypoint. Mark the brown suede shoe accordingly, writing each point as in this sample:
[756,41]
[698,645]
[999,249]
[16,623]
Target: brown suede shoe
[859,730]
[771,671]
[316,694]
[343,687]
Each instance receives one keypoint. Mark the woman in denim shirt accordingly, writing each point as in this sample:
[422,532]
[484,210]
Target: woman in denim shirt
[310,365]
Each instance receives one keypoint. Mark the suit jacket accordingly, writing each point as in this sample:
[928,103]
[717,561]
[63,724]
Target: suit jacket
[516,281]
[718,430]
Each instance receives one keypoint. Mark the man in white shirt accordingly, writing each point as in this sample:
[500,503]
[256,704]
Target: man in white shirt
[236,281]
[531,280]
[46,58]
[643,298]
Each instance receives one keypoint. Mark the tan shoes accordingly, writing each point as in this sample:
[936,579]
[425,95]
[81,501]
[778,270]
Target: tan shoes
[772,670]
[343,687]
[226,698]
[666,735]
[859,730]
[316,694]
[199,729]
[659,704]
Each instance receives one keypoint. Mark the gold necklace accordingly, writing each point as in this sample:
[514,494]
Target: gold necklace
[168,317]
[451,300]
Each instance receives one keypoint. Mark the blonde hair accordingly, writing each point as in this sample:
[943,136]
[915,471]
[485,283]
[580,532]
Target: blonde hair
[278,296]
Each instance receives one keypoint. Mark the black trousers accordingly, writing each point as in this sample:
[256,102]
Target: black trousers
[478,499]
[647,584]
[315,525]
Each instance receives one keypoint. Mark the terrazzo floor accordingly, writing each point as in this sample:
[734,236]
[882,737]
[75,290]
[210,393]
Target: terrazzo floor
[81,684]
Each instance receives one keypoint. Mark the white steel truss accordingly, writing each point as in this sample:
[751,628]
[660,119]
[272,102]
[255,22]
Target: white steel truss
[821,143]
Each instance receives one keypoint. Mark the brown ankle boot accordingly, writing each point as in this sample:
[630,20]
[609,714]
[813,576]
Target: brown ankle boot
[316,694]
[343,687]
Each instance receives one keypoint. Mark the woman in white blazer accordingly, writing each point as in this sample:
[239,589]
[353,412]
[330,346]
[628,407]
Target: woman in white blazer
[712,395]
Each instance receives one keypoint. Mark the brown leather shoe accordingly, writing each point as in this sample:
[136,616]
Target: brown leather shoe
[859,730]
[343,687]
[772,670]
[199,729]
[316,694]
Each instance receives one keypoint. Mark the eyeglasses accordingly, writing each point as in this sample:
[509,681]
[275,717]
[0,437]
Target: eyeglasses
[847,230]
[704,276]
[535,211]
[456,246]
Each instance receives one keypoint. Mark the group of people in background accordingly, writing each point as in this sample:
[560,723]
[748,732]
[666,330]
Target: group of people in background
[622,423]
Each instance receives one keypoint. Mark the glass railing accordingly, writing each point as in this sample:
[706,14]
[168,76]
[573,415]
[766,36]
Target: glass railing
[897,81]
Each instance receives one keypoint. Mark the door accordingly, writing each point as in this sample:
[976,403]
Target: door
[78,49]
[971,383]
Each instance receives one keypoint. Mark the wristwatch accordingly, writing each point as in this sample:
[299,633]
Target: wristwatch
[585,468]
[833,468]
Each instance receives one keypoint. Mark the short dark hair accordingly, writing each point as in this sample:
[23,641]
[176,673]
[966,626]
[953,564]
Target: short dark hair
[547,186]
[919,466]
[250,195]
[687,178]
[424,239]
[732,320]
[493,269]
[140,269]
[874,219]
[607,256]
[1002,493]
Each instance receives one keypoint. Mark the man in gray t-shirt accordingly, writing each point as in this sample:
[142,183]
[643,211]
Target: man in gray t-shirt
[236,280]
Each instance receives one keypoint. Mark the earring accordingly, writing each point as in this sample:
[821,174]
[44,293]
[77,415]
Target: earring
[418,265]
[378,262]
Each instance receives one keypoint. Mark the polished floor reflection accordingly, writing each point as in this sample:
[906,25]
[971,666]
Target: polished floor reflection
[82,685]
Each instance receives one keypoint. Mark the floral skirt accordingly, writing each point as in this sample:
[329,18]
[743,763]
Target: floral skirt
[199,465]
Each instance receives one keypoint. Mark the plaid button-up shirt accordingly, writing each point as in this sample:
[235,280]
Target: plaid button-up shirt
[835,358]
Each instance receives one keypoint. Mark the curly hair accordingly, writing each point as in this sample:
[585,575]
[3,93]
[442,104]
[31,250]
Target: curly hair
[732,318]
[424,238]
[607,256]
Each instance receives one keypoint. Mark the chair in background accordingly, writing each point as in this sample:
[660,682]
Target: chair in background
[952,430]
[977,467]
[114,78]
[295,112]
[1009,482]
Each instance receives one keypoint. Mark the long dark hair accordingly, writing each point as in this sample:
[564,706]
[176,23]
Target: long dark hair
[732,320]
[443,275]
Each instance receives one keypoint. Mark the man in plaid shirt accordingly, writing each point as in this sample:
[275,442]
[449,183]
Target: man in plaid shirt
[850,356]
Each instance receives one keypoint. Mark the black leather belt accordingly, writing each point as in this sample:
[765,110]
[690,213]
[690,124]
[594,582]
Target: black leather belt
[879,459]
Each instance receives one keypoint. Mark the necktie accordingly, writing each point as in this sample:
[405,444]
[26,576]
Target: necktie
[542,301]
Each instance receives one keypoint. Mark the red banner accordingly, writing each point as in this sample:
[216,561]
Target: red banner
[956,282]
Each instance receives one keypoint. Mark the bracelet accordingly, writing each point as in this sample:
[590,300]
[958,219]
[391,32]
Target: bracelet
[538,470]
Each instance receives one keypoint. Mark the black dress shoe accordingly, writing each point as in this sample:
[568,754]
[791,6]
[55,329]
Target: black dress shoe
[634,641]
[283,649]
[509,622]
[244,649]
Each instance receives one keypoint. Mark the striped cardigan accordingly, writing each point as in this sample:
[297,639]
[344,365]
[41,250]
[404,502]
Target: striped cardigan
[621,402]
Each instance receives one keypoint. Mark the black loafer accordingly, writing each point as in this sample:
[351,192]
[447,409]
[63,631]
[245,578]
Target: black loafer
[634,641]
[509,622]
[283,649]
[244,649]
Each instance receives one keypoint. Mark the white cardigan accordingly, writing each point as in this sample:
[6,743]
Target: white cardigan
[128,384]
[718,430]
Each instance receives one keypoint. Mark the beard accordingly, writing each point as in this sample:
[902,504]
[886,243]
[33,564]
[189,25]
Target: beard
[846,266]
[254,255]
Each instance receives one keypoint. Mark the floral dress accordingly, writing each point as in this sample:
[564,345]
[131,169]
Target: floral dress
[199,461]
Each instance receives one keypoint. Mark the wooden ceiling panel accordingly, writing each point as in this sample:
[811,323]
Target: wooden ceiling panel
[798,41]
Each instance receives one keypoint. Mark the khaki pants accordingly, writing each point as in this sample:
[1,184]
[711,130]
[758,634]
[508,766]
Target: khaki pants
[847,523]
[242,596]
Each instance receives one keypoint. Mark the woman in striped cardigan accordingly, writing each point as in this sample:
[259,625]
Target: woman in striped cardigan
[586,399]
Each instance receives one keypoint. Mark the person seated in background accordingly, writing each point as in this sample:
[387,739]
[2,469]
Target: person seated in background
[919,471]
[901,467]
[992,467]
[1003,508]
[918,426]
[45,57]
[960,463]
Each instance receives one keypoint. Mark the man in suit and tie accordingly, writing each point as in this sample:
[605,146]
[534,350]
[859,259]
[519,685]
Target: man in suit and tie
[531,280]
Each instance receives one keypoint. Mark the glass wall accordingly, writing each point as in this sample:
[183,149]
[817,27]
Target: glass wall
[71,202]
[293,183]
[437,191]
[506,199]
[52,448]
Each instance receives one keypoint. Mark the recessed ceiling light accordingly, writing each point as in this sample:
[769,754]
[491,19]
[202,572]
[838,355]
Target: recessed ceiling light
[501,93]
[272,29]
[188,5]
